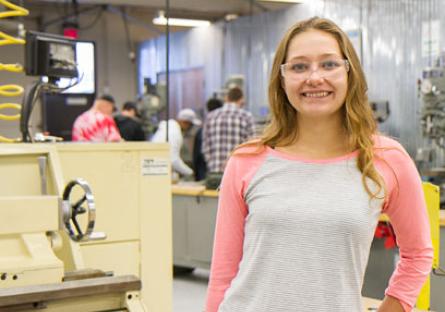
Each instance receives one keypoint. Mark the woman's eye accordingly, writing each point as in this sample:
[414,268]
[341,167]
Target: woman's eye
[299,67]
[330,64]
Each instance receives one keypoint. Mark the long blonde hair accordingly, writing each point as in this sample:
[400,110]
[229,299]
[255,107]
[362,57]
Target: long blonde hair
[358,117]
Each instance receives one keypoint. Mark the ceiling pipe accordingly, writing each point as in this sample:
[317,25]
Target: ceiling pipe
[258,5]
[133,19]
[69,16]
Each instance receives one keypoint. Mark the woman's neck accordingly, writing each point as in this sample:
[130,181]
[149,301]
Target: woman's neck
[319,139]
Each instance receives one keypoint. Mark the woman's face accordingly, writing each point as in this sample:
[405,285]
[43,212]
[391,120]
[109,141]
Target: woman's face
[315,76]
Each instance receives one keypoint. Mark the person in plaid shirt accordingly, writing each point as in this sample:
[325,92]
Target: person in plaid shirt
[224,129]
[97,123]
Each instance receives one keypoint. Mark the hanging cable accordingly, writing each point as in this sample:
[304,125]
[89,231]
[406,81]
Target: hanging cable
[131,54]
[32,94]
[15,10]
[10,90]
[95,20]
[167,65]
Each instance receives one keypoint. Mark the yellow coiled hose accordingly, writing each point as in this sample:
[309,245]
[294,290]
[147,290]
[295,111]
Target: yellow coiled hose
[10,90]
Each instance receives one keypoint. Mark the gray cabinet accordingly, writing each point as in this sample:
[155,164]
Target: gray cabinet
[193,229]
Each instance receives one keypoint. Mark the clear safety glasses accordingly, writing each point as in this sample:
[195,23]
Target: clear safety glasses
[303,70]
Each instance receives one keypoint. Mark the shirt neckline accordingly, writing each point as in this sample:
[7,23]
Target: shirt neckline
[309,160]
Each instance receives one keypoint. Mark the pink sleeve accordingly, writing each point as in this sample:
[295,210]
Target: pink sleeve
[406,208]
[229,232]
[406,307]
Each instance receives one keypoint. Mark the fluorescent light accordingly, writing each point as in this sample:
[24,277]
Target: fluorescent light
[162,20]
[231,17]
[284,1]
[180,22]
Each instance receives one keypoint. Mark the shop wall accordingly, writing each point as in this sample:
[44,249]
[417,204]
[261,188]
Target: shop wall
[199,47]
[390,46]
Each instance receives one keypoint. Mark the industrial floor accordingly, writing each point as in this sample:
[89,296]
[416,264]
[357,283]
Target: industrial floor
[189,291]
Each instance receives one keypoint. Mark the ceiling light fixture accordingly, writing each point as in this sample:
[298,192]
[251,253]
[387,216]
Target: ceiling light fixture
[230,17]
[282,1]
[184,22]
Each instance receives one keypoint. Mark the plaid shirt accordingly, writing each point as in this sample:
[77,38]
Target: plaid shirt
[223,130]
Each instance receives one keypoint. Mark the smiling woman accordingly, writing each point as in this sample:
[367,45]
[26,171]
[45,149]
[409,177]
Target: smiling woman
[315,80]
[298,207]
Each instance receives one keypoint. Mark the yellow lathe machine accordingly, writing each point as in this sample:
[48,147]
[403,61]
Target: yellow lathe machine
[85,227]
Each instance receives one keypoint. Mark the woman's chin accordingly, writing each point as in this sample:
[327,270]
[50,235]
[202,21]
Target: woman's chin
[318,112]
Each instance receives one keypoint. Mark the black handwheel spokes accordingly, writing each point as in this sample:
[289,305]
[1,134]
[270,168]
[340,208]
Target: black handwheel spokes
[73,210]
[80,202]
[79,231]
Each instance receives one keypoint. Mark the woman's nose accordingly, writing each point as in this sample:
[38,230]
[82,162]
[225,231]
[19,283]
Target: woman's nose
[314,77]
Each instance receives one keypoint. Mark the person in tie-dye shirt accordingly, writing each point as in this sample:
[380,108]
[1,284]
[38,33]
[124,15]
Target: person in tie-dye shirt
[97,123]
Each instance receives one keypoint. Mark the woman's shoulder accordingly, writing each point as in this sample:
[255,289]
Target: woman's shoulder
[248,153]
[389,148]
[253,148]
[244,162]
[383,141]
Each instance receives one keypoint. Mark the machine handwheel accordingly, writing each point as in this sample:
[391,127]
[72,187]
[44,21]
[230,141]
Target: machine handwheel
[72,210]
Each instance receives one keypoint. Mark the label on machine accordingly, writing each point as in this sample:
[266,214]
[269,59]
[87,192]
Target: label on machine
[155,166]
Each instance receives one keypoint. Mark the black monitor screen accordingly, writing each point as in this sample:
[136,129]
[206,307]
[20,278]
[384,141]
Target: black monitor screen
[85,57]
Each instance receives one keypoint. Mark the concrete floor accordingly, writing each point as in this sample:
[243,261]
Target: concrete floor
[189,291]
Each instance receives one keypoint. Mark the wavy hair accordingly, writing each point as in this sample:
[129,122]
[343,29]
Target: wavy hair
[358,118]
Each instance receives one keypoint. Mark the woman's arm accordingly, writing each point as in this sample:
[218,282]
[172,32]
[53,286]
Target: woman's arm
[229,235]
[229,232]
[406,208]
[391,304]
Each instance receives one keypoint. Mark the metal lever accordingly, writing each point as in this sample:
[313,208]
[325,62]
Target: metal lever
[43,178]
[96,236]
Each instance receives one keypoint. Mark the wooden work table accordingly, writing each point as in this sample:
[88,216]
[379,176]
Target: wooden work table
[192,189]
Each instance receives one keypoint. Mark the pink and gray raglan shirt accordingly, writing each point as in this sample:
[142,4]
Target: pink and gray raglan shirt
[294,234]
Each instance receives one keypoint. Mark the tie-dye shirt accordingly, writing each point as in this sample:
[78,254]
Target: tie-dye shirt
[93,126]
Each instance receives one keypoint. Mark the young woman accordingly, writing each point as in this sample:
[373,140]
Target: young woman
[298,208]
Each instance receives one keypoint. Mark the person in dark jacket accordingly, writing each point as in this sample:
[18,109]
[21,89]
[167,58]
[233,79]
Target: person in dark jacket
[128,123]
[199,163]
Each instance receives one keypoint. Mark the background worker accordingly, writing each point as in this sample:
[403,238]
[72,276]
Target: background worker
[190,124]
[128,123]
[224,129]
[97,123]
[199,163]
[175,139]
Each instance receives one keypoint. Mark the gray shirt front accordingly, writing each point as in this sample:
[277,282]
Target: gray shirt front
[307,239]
